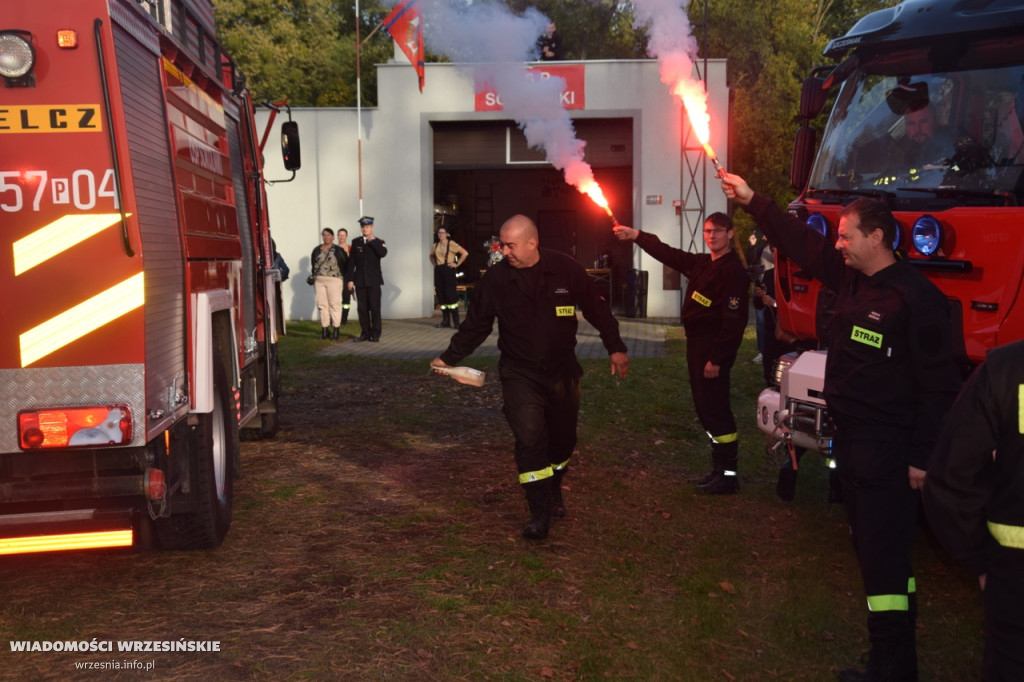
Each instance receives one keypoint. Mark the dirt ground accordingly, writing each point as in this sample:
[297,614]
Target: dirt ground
[316,567]
[378,538]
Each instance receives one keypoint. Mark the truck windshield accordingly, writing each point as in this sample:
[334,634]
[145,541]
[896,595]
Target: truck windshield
[929,137]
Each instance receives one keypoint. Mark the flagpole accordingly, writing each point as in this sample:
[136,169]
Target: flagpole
[359,111]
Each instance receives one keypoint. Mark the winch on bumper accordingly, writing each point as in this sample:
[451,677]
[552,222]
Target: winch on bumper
[794,410]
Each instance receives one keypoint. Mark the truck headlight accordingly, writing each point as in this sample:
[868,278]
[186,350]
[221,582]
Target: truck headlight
[17,57]
[818,223]
[926,235]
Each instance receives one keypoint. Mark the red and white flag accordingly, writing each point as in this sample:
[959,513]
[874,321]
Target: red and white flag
[405,25]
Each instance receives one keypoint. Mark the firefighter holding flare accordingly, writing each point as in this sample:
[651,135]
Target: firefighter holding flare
[714,316]
[890,377]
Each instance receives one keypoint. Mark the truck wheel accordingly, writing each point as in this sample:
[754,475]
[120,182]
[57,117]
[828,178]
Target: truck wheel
[212,453]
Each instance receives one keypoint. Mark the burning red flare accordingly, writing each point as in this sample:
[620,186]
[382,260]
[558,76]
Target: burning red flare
[695,100]
[593,190]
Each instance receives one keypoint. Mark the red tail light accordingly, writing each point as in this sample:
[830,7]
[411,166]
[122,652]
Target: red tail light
[74,427]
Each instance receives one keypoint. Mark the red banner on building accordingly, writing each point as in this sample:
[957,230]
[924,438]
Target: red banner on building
[573,96]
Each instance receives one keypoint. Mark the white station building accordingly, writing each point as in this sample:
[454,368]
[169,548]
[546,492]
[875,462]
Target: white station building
[451,156]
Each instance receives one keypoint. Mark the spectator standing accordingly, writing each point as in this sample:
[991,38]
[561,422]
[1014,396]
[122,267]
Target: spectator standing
[550,44]
[329,263]
[346,293]
[446,255]
[758,273]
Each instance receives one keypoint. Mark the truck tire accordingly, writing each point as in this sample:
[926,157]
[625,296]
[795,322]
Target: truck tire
[214,449]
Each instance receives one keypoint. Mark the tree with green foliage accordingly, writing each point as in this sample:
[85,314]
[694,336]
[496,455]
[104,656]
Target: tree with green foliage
[592,29]
[304,50]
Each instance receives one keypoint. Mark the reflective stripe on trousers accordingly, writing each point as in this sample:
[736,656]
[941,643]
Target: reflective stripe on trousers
[724,438]
[533,476]
[892,602]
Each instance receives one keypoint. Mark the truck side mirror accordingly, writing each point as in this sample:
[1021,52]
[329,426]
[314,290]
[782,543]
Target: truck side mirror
[291,152]
[812,97]
[803,157]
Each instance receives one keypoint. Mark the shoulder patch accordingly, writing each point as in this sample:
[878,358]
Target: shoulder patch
[734,303]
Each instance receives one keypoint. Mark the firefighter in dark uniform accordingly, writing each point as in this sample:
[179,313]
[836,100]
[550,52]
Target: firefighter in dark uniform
[364,276]
[535,295]
[714,316]
[975,500]
[890,377]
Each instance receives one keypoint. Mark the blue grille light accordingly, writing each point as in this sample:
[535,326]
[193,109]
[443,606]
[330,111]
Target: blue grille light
[926,235]
[817,222]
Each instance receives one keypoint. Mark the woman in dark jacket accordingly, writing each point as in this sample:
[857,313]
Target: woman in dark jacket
[328,261]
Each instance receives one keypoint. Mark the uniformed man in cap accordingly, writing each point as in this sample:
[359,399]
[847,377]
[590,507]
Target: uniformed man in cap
[365,279]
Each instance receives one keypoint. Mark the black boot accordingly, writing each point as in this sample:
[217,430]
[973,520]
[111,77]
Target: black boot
[455,317]
[705,479]
[538,497]
[893,656]
[323,332]
[835,488]
[723,484]
[336,333]
[344,315]
[785,488]
[557,503]
[726,459]
[446,319]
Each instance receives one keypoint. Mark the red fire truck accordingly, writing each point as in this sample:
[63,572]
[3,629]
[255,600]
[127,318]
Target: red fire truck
[139,302]
[956,195]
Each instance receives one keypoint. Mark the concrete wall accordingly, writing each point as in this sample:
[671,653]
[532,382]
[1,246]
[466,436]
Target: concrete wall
[397,173]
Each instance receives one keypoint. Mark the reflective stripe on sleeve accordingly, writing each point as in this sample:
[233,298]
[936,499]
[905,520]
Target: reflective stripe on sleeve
[1020,408]
[1007,536]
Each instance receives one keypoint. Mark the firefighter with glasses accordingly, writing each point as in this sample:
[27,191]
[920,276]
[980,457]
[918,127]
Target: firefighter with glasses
[714,315]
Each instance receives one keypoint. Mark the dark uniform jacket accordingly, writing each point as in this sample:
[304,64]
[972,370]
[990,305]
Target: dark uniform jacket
[890,373]
[536,329]
[717,295]
[364,262]
[976,476]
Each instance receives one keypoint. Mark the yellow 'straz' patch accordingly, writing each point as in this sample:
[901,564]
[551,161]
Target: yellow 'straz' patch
[867,337]
[565,310]
[701,298]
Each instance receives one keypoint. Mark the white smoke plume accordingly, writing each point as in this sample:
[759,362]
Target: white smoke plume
[491,44]
[672,43]
[670,38]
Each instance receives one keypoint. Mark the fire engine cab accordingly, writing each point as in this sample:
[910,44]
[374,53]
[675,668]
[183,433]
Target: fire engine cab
[929,119]
[139,302]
